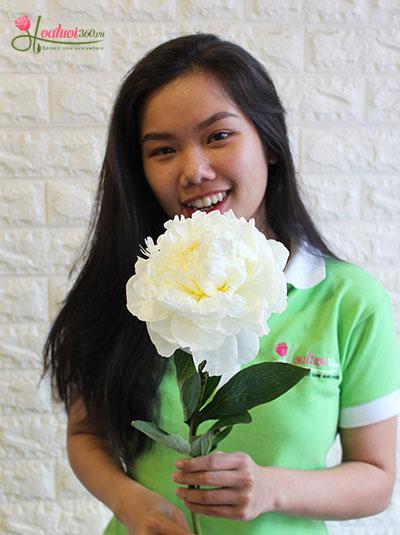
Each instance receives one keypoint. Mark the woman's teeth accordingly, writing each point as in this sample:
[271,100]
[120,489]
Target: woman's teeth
[206,202]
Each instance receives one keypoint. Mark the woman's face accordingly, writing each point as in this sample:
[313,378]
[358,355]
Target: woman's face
[201,152]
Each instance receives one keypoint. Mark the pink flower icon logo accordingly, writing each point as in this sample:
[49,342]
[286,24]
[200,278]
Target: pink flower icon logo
[23,23]
[281,349]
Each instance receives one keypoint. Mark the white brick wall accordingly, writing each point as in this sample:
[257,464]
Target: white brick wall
[337,66]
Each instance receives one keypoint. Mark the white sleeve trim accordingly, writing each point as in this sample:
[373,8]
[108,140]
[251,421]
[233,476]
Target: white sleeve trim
[371,412]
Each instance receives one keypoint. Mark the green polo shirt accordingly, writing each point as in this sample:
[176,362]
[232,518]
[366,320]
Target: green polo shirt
[338,323]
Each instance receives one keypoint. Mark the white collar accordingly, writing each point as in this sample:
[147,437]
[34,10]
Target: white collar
[304,270]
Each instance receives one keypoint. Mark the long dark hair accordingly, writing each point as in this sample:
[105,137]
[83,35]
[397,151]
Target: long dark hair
[95,346]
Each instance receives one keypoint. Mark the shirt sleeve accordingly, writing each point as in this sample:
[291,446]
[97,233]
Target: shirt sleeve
[370,389]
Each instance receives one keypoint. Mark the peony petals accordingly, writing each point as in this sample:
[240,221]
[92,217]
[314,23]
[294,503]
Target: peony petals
[163,329]
[164,348]
[209,285]
[248,345]
[280,254]
[220,360]
[188,334]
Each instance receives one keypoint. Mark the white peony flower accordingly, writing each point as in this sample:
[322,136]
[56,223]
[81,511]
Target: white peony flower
[208,286]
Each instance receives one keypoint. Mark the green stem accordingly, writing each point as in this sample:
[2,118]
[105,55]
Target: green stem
[195,516]
[196,523]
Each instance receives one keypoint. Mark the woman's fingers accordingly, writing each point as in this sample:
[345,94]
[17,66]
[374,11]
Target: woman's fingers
[217,478]
[215,461]
[221,511]
[210,496]
[237,478]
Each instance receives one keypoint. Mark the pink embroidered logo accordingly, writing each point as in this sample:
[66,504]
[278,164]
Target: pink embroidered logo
[281,349]
[23,23]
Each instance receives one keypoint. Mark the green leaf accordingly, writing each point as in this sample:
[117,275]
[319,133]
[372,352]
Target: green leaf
[190,391]
[201,366]
[175,442]
[218,437]
[184,365]
[189,382]
[204,444]
[252,386]
[201,445]
[212,381]
[243,418]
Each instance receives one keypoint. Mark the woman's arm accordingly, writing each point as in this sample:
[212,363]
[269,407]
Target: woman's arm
[142,511]
[361,485]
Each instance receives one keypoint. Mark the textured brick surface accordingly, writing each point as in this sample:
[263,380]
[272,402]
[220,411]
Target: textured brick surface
[385,11]
[336,64]
[336,11]
[279,47]
[21,345]
[346,49]
[382,197]
[23,299]
[350,150]
[23,392]
[132,41]
[38,251]
[27,436]
[321,98]
[382,101]
[53,152]
[211,9]
[64,517]
[370,242]
[79,99]
[27,480]
[285,10]
[135,10]
[10,9]
[23,99]
[22,203]
[332,197]
[69,202]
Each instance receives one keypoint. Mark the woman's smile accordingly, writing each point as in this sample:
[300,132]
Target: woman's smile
[206,203]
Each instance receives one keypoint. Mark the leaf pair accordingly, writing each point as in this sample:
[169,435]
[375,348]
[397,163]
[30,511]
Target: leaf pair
[206,443]
[199,445]
[249,388]
[195,387]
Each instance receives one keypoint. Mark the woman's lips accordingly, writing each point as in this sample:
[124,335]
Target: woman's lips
[189,211]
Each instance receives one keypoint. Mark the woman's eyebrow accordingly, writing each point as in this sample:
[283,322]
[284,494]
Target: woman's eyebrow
[157,136]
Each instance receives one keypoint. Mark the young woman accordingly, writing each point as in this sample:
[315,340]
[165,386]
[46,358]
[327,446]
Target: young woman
[197,124]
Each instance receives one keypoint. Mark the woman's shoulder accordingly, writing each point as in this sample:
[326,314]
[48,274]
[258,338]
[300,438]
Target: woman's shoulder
[354,284]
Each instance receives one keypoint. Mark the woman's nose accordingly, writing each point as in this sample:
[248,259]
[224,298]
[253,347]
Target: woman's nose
[195,168]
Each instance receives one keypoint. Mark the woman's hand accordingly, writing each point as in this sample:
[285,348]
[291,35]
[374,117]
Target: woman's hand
[361,485]
[243,489]
[148,513]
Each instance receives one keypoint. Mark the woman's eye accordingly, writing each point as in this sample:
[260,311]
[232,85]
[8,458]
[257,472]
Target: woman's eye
[161,151]
[219,136]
